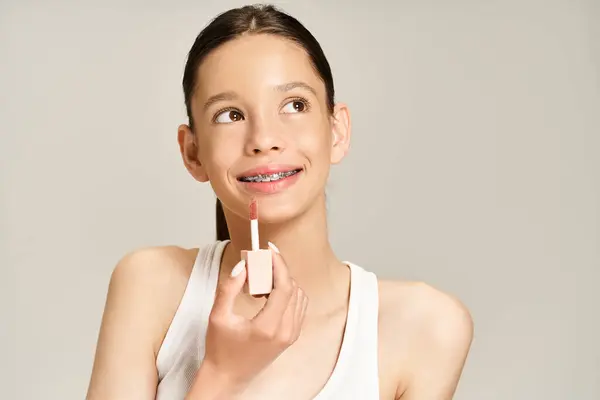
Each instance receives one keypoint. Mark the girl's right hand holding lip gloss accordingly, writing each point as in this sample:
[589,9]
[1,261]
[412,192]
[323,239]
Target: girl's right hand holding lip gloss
[237,348]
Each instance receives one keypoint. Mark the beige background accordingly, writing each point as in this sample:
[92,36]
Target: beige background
[475,167]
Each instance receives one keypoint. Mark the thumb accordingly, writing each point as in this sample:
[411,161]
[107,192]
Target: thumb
[229,288]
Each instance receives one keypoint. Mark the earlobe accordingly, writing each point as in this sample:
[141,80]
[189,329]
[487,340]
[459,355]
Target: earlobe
[189,153]
[340,133]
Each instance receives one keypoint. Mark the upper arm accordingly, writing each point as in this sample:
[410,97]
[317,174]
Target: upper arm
[136,315]
[441,350]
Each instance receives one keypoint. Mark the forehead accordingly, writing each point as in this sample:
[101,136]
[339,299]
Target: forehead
[252,63]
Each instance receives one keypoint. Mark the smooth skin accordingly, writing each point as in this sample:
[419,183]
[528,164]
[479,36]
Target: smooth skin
[269,106]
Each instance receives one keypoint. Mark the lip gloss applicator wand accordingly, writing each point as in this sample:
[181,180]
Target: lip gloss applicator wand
[259,262]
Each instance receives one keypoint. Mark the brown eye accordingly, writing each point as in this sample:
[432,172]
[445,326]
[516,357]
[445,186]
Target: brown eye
[228,116]
[295,106]
[298,106]
[235,116]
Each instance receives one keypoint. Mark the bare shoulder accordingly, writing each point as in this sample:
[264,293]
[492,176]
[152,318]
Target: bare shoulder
[428,334]
[425,310]
[144,292]
[153,278]
[153,264]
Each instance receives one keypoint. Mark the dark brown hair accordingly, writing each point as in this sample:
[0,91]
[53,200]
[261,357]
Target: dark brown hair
[254,19]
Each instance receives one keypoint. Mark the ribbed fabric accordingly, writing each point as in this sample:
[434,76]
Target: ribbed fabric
[355,375]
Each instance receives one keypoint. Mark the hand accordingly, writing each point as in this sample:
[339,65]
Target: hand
[239,348]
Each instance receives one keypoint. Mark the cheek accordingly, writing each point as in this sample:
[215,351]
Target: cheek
[313,140]
[219,154]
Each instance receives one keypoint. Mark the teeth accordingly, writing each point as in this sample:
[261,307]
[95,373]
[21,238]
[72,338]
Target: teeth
[268,178]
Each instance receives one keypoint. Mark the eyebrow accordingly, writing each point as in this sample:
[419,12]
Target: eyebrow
[219,97]
[286,87]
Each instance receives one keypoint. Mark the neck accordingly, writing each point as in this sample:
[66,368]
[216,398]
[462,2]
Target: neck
[304,244]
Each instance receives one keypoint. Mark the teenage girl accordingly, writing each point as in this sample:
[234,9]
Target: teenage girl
[263,124]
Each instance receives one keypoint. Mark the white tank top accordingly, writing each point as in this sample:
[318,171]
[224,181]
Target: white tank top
[355,375]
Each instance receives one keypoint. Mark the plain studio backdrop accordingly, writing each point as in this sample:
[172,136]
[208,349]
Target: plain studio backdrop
[475,166]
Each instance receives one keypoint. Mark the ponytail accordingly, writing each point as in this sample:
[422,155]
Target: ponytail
[222,230]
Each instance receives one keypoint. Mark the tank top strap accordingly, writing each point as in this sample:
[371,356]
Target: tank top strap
[369,309]
[365,358]
[205,276]
[357,359]
[194,308]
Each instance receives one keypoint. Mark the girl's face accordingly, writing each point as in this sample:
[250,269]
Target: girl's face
[260,108]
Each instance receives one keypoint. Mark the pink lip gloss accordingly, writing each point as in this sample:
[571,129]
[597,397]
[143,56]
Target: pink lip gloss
[259,262]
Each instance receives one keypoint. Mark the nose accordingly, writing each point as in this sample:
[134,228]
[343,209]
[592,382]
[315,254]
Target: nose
[263,138]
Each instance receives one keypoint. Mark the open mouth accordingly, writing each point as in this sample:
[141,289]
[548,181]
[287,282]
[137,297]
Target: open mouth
[277,176]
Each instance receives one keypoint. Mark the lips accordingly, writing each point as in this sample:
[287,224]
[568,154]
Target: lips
[269,170]
[270,179]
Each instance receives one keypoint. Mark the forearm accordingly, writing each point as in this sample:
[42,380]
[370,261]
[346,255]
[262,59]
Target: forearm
[212,385]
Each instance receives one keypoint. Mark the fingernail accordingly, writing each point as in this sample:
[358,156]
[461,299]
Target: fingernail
[239,267]
[273,247]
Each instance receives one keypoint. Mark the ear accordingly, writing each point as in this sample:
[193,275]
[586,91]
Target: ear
[341,130]
[189,153]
